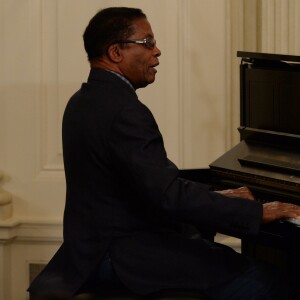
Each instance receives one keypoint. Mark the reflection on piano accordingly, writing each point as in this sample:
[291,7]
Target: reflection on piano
[267,159]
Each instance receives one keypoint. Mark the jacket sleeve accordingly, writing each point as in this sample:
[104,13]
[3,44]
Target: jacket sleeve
[138,152]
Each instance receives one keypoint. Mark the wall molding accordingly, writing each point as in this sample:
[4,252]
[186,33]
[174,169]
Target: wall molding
[6,205]
[34,230]
[49,136]
[23,242]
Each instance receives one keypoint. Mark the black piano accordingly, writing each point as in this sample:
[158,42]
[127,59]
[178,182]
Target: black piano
[267,159]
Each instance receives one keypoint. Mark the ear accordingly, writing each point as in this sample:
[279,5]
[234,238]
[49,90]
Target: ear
[114,53]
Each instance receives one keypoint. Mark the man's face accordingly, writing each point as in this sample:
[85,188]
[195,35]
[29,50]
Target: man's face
[139,62]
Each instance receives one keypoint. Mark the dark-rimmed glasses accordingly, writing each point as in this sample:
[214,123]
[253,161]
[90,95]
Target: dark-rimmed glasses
[148,42]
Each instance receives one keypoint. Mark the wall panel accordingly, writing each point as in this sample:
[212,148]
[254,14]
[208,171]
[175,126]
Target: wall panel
[41,69]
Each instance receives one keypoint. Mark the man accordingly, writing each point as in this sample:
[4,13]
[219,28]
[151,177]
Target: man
[125,203]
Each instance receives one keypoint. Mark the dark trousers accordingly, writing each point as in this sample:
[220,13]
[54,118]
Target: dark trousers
[258,282]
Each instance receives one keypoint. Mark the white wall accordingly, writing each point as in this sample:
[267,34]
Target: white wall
[43,63]
[195,99]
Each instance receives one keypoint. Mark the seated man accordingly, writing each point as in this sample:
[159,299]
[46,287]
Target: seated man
[125,202]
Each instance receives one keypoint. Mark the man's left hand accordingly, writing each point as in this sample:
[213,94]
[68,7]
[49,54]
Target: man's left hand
[242,192]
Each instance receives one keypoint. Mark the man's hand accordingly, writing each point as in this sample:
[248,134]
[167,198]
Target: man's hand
[277,210]
[242,192]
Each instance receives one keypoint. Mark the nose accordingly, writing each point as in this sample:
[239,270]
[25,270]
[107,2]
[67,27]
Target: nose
[157,52]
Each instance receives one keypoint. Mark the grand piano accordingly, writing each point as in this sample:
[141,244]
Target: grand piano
[267,159]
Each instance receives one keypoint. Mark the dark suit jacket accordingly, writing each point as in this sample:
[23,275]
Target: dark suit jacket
[124,198]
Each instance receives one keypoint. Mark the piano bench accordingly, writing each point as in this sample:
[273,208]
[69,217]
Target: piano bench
[165,295]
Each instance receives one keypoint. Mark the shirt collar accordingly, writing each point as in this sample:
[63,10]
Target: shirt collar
[123,78]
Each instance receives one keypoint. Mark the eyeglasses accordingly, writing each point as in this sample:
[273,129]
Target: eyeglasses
[148,42]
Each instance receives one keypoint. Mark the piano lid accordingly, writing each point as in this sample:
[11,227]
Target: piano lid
[269,151]
[268,56]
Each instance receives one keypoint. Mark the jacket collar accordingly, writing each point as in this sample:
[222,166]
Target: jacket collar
[97,74]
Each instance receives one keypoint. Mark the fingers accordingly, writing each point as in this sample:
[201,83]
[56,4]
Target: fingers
[242,192]
[291,210]
[277,210]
